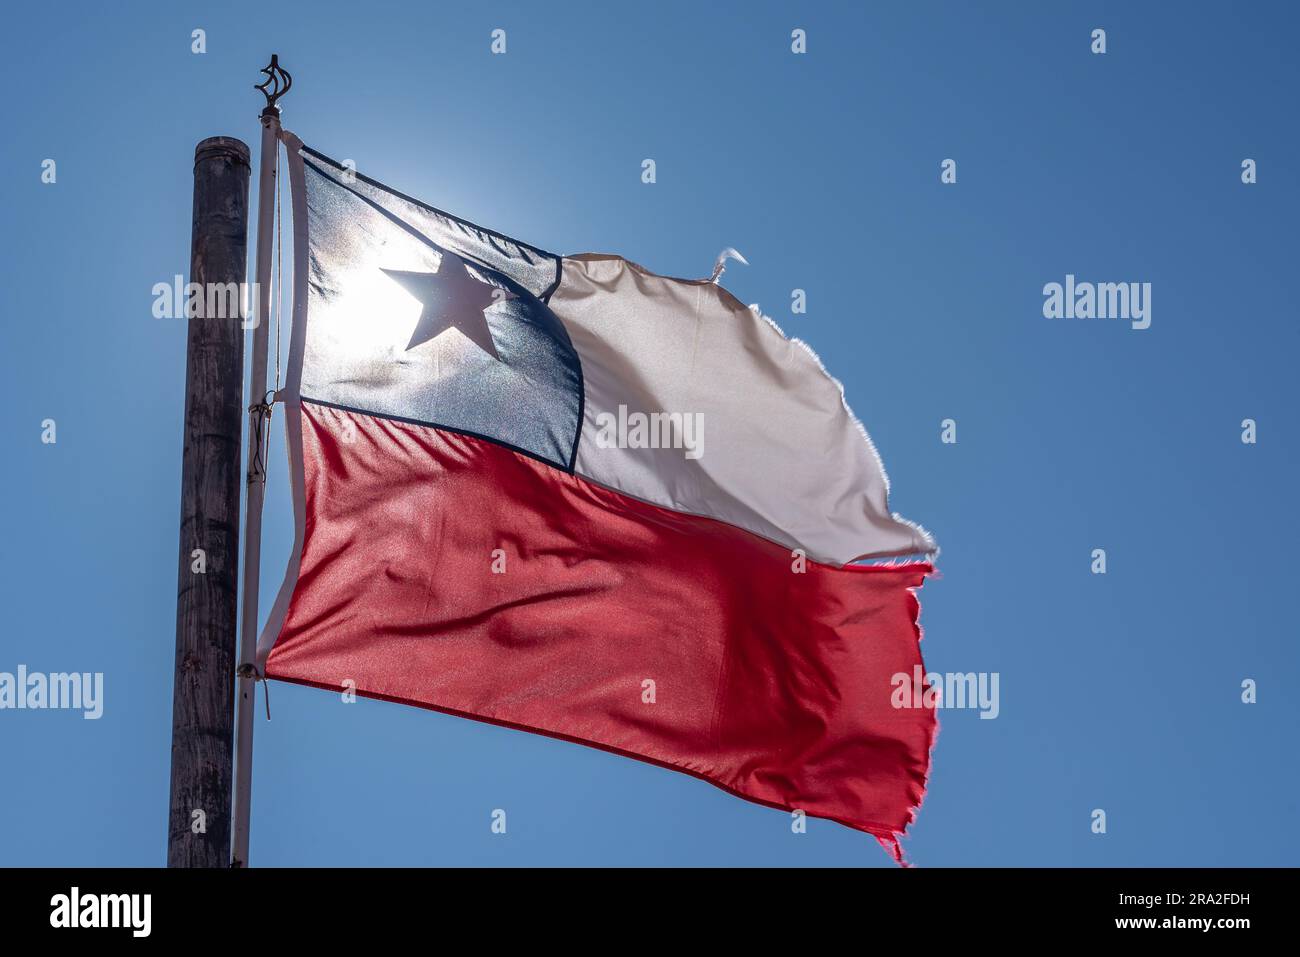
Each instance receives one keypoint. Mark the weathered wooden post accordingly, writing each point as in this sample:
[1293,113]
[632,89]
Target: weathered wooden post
[198,827]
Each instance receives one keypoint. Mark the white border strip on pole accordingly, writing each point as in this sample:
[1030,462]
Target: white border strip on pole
[290,395]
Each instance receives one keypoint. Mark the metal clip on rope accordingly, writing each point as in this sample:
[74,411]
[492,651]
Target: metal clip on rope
[261,412]
[249,670]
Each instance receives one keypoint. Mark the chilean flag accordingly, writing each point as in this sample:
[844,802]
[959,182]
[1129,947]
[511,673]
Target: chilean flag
[573,497]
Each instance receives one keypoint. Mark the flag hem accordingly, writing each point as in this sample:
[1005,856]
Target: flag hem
[887,836]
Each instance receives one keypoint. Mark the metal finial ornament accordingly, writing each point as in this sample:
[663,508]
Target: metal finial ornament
[278,79]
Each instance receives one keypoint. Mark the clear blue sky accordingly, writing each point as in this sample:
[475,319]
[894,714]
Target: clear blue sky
[1119,692]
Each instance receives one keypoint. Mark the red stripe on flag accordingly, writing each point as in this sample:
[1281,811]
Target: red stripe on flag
[771,684]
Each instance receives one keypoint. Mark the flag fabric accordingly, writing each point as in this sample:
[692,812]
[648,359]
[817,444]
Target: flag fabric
[573,497]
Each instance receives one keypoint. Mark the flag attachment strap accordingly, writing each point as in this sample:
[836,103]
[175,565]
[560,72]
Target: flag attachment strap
[261,413]
[249,670]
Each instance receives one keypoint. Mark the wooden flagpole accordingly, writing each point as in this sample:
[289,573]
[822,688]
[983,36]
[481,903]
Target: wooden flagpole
[276,85]
[198,823]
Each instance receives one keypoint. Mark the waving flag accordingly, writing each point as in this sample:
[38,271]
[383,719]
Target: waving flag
[573,497]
